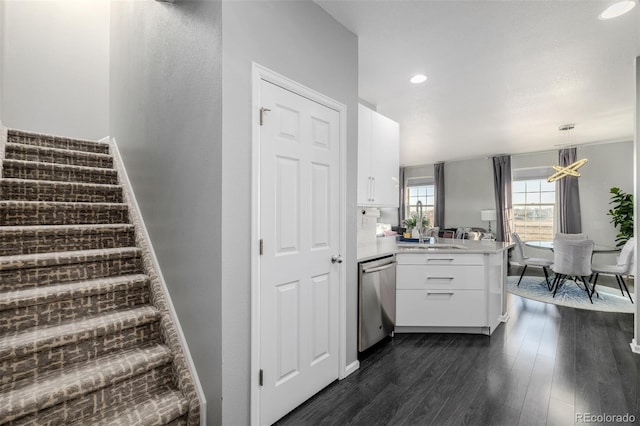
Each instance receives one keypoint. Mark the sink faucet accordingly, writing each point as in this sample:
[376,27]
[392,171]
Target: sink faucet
[419,223]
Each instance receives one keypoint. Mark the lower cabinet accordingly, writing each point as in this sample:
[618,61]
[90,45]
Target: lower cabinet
[458,293]
[440,308]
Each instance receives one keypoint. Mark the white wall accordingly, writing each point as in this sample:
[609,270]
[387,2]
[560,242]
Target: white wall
[636,188]
[166,115]
[56,67]
[302,42]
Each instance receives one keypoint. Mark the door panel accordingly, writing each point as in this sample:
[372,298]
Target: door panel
[320,200]
[299,225]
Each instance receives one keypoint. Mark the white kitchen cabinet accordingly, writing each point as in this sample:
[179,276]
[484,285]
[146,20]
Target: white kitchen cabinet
[449,292]
[378,159]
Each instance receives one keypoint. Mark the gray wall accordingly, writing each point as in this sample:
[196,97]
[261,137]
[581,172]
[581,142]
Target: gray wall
[609,165]
[468,188]
[166,113]
[302,42]
[3,60]
[55,67]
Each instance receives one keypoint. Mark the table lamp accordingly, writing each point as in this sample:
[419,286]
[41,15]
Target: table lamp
[488,215]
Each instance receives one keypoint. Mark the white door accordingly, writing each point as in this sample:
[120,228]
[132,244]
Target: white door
[299,226]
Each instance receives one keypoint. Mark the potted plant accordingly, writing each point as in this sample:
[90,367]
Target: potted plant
[621,214]
[413,220]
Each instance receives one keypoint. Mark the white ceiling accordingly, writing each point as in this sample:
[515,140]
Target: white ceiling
[503,75]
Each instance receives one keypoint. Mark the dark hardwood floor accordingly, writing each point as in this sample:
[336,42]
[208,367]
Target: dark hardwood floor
[546,365]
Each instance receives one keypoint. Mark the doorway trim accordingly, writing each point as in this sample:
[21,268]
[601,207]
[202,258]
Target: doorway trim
[259,73]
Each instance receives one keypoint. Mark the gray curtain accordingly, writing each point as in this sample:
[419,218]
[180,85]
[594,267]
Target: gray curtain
[502,187]
[568,196]
[402,184]
[438,173]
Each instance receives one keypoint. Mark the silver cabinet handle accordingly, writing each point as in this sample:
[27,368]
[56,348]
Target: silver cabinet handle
[373,196]
[439,260]
[336,258]
[439,278]
[379,268]
[451,293]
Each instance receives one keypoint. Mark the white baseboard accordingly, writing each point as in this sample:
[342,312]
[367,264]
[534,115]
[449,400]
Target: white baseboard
[634,346]
[355,365]
[504,318]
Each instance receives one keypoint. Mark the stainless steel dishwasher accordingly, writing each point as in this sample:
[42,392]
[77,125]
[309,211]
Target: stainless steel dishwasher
[376,301]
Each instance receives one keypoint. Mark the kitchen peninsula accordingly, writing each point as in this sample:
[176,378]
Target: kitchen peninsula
[452,285]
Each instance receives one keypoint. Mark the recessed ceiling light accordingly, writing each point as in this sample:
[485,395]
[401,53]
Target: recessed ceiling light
[418,78]
[617,9]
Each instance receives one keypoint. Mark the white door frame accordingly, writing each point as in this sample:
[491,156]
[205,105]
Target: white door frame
[261,73]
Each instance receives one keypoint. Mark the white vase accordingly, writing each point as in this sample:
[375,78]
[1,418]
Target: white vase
[415,233]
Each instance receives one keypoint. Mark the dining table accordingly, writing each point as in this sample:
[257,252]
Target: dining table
[548,245]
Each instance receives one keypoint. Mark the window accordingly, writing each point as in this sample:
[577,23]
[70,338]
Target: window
[420,191]
[534,203]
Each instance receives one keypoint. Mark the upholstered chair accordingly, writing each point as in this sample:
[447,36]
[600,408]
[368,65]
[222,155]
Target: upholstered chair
[519,257]
[624,266]
[572,259]
[571,236]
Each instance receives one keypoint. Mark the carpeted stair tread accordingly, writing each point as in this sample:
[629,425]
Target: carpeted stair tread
[55,387]
[155,410]
[19,239]
[52,191]
[61,213]
[52,229]
[40,139]
[22,343]
[43,154]
[47,294]
[64,258]
[20,169]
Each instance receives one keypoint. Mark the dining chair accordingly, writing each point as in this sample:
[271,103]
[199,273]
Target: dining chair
[518,256]
[571,236]
[623,266]
[572,260]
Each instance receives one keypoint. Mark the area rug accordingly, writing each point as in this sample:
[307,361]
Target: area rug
[570,295]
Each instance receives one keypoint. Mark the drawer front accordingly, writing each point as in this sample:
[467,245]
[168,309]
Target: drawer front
[440,308]
[439,259]
[419,277]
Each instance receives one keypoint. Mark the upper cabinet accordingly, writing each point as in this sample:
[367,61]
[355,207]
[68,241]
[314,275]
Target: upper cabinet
[378,159]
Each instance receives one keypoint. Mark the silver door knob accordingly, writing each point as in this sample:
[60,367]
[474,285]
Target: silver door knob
[336,259]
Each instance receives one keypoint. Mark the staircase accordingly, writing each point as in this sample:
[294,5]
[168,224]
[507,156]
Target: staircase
[86,337]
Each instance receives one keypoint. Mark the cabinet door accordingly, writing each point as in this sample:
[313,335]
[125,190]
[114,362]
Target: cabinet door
[365,178]
[440,308]
[385,136]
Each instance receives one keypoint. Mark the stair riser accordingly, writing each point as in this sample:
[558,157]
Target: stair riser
[13,370]
[58,215]
[63,193]
[33,277]
[66,310]
[157,380]
[64,241]
[61,143]
[182,421]
[68,158]
[50,172]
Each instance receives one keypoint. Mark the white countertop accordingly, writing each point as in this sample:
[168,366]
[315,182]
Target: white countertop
[385,246]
